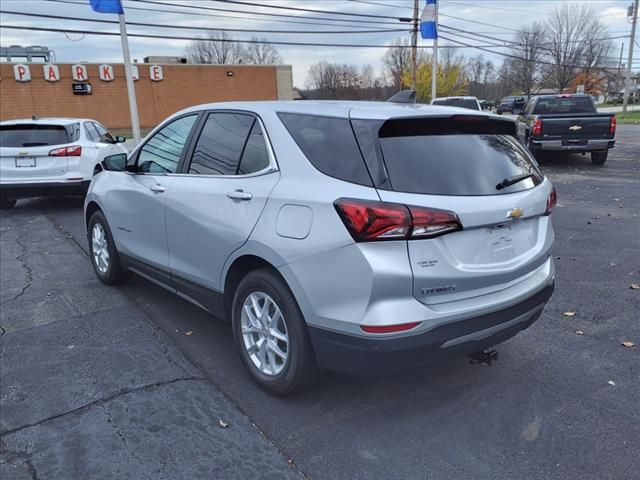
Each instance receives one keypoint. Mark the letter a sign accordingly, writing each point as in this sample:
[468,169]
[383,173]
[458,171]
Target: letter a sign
[51,73]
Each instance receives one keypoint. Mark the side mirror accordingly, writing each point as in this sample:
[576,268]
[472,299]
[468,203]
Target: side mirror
[115,163]
[120,139]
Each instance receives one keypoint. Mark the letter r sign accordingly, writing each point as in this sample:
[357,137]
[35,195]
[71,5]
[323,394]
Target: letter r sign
[79,73]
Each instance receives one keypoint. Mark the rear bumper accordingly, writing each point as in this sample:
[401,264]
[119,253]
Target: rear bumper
[20,190]
[557,145]
[356,355]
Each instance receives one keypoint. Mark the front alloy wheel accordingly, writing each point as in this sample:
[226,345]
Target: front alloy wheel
[103,253]
[264,333]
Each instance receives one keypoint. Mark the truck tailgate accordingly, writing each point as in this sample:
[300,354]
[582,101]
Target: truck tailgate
[575,127]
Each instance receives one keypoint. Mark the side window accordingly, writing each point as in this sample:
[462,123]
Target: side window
[329,144]
[91,132]
[255,156]
[105,136]
[163,150]
[221,144]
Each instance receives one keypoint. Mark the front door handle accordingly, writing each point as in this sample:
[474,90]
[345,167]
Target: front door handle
[157,188]
[239,195]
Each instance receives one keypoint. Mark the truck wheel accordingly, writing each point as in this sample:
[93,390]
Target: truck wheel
[7,202]
[598,158]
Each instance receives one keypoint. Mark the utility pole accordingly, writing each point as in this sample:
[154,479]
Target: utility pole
[618,73]
[414,45]
[131,89]
[434,59]
[625,101]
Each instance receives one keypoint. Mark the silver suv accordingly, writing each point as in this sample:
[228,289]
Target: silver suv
[354,237]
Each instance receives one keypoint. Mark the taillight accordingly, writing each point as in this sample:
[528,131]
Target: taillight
[552,199]
[403,327]
[537,127]
[369,221]
[72,151]
[612,125]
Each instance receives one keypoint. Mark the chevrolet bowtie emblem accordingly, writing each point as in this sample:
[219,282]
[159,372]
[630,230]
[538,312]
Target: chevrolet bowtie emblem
[515,213]
[575,128]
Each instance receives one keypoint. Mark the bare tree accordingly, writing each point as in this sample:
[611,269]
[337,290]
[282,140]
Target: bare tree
[576,42]
[262,53]
[367,76]
[525,65]
[397,62]
[216,48]
[482,75]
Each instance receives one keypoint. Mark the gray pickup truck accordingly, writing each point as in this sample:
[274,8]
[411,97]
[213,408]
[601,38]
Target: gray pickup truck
[566,123]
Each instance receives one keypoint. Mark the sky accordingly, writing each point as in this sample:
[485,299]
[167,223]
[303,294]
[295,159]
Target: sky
[485,21]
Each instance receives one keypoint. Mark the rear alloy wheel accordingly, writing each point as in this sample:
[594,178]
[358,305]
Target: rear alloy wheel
[7,202]
[271,335]
[598,158]
[104,256]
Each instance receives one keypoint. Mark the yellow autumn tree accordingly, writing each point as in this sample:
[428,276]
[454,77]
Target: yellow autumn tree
[451,80]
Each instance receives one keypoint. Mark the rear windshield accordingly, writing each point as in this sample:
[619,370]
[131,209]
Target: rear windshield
[458,102]
[33,135]
[564,105]
[456,164]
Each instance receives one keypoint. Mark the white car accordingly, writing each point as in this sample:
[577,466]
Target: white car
[471,103]
[51,156]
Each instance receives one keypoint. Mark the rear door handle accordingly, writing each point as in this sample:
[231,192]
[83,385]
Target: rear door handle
[239,195]
[157,188]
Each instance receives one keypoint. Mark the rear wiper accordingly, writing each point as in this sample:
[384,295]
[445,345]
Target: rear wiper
[34,144]
[507,182]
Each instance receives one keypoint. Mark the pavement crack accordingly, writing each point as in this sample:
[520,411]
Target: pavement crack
[27,268]
[25,456]
[101,401]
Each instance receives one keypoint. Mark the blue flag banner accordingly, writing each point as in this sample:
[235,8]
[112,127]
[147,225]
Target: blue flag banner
[428,24]
[106,6]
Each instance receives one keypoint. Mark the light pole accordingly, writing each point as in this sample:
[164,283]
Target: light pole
[627,81]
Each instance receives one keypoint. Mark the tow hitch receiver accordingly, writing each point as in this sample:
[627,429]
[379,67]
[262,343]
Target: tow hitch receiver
[483,357]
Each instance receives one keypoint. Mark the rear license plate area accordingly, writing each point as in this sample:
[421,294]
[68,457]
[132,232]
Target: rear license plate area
[25,162]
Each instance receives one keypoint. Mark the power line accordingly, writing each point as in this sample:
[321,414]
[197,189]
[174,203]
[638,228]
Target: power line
[216,9]
[219,15]
[376,3]
[478,22]
[300,9]
[156,25]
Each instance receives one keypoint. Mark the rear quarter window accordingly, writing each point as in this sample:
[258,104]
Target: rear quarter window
[17,136]
[458,102]
[329,144]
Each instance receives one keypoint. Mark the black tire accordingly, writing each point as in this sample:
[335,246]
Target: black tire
[598,158]
[536,152]
[114,274]
[300,370]
[7,202]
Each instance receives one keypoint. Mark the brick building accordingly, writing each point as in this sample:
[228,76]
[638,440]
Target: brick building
[161,90]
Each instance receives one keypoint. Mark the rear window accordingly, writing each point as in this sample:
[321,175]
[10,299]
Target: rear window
[458,102]
[33,135]
[470,161]
[329,144]
[564,105]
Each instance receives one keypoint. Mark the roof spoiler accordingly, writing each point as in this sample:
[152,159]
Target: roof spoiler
[403,96]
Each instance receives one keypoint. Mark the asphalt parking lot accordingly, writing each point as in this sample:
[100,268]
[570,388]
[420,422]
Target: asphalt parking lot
[158,375]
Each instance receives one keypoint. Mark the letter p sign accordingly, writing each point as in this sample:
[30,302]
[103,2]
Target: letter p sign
[22,73]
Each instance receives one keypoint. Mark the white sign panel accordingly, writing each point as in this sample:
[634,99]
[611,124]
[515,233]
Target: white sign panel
[22,73]
[79,73]
[155,73]
[105,72]
[51,72]
[135,73]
